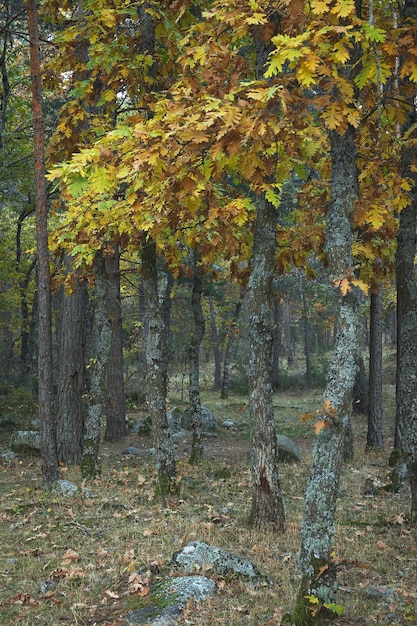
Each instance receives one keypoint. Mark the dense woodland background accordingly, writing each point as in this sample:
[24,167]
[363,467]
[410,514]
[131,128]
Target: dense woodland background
[223,191]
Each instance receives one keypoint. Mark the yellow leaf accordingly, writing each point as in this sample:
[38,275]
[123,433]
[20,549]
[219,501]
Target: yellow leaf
[343,8]
[362,286]
[333,116]
[319,6]
[318,426]
[344,286]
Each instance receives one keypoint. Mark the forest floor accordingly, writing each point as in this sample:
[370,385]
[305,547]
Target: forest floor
[70,560]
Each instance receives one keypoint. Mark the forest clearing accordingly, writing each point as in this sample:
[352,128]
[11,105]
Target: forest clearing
[89,547]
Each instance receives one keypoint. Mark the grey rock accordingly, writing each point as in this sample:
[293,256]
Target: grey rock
[174,417]
[64,488]
[178,436]
[174,593]
[228,424]
[26,442]
[155,615]
[131,450]
[288,451]
[197,554]
[183,588]
[178,420]
[142,427]
[208,421]
[7,454]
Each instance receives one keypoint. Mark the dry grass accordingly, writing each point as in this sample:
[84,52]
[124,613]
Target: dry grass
[87,547]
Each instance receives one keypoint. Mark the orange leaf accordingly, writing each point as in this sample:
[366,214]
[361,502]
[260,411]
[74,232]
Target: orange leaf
[318,426]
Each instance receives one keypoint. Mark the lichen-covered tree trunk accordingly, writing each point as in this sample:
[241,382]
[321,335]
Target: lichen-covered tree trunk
[267,509]
[50,465]
[197,448]
[156,378]
[406,415]
[375,435]
[102,338]
[71,375]
[318,576]
[116,406]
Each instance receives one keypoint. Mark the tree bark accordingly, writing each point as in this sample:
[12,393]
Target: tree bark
[277,341]
[289,349]
[231,336]
[156,379]
[50,465]
[267,509]
[306,333]
[318,574]
[71,376]
[361,388]
[215,344]
[197,448]
[142,336]
[406,413]
[98,364]
[375,435]
[116,406]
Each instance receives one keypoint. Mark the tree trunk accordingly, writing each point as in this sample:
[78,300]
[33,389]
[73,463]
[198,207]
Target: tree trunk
[375,436]
[98,364]
[166,308]
[318,574]
[143,337]
[156,379]
[306,332]
[361,389]
[71,376]
[277,341]
[289,349]
[116,407]
[406,414]
[50,465]
[267,510]
[197,448]
[231,336]
[215,344]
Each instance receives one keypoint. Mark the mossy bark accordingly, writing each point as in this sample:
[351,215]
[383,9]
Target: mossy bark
[197,449]
[116,405]
[156,374]
[318,574]
[98,363]
[267,509]
[406,416]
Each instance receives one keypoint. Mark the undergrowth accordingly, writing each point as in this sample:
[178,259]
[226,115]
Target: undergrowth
[73,560]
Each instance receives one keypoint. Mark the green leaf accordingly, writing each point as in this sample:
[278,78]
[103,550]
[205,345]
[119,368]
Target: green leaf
[273,197]
[77,185]
[336,608]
